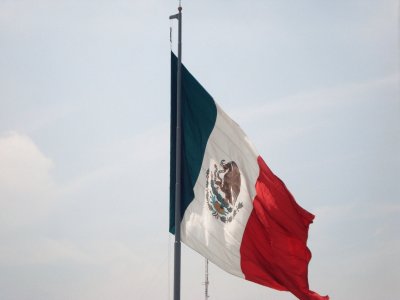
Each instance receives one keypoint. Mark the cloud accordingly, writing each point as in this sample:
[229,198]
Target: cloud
[28,251]
[319,113]
[126,158]
[26,185]
[44,251]
[323,99]
[23,18]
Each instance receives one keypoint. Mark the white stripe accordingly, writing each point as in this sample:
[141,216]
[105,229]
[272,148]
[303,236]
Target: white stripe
[220,242]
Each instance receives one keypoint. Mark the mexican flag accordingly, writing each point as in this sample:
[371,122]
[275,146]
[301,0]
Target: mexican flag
[235,211]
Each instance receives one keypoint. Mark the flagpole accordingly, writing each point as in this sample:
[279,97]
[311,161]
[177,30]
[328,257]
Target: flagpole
[177,244]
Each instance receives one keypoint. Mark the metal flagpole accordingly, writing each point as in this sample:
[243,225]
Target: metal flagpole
[177,244]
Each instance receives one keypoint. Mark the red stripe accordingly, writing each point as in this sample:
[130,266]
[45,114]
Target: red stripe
[274,249]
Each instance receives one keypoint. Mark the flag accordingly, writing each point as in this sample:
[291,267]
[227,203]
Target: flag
[234,210]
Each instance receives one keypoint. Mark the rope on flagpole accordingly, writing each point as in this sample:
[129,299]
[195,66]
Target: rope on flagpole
[170,35]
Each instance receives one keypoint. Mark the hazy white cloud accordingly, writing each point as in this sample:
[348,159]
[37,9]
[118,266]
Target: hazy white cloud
[40,251]
[29,192]
[30,121]
[44,251]
[144,146]
[126,156]
[26,185]
[359,212]
[25,17]
[381,23]
[323,99]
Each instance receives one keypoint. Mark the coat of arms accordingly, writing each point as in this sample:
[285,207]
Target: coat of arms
[222,190]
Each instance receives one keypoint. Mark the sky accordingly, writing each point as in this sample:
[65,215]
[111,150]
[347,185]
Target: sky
[84,139]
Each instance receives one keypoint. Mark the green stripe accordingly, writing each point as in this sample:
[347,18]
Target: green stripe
[199,114]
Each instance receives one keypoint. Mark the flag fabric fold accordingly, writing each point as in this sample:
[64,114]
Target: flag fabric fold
[235,211]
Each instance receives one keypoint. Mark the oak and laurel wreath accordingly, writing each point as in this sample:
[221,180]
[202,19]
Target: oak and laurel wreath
[214,212]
